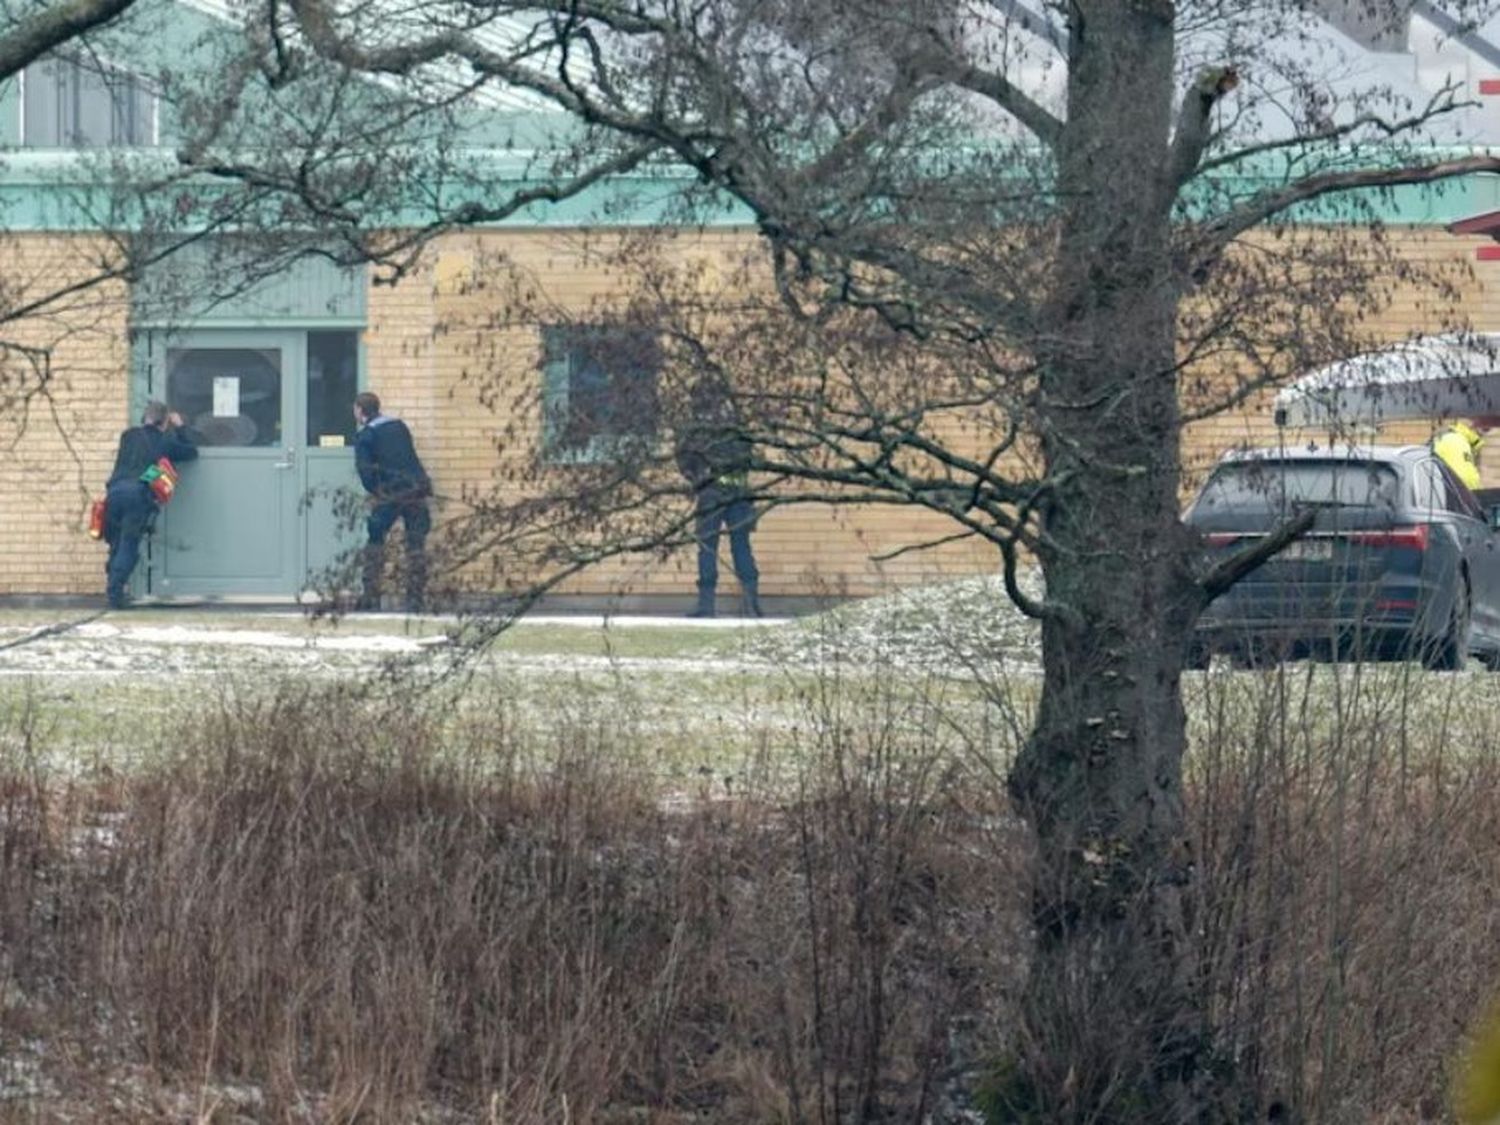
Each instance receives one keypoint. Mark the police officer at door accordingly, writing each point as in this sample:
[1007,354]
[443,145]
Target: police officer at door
[398,487]
[130,506]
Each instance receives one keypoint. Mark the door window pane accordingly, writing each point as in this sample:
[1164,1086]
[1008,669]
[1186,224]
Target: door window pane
[228,396]
[1460,499]
[332,383]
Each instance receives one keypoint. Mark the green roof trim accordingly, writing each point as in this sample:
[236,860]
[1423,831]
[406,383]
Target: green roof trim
[1437,203]
[53,190]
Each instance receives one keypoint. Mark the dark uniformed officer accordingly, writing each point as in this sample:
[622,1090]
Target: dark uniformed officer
[714,455]
[130,505]
[399,487]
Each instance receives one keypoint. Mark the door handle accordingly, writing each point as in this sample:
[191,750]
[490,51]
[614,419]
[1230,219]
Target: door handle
[289,463]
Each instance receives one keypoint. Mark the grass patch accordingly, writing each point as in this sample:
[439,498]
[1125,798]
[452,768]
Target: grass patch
[638,642]
[702,698]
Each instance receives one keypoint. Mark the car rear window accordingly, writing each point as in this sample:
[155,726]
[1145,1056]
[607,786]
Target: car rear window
[1278,484]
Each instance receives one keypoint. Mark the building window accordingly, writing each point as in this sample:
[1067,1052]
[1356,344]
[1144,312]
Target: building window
[332,383]
[599,392]
[76,103]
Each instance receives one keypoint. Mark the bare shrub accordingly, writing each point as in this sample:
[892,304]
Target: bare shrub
[372,912]
[1346,826]
[322,906]
[52,897]
[1347,819]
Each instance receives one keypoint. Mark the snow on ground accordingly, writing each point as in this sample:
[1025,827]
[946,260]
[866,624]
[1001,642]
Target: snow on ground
[955,628]
[700,694]
[641,621]
[968,626]
[99,648]
[254,638]
[578,662]
[119,646]
[578,620]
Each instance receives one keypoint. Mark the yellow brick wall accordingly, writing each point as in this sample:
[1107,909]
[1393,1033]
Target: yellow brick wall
[58,446]
[489,423]
[453,349]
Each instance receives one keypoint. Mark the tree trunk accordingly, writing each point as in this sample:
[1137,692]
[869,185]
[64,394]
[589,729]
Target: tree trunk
[1116,1027]
[1116,1030]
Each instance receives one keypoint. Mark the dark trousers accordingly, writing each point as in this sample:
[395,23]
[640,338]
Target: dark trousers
[128,514]
[716,511]
[416,523]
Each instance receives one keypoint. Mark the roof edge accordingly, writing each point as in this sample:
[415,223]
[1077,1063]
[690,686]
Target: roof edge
[1486,222]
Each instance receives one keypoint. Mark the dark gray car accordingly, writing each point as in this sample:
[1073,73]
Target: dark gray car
[1400,562]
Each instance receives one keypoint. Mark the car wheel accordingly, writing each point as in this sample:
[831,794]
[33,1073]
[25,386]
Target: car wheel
[1451,652]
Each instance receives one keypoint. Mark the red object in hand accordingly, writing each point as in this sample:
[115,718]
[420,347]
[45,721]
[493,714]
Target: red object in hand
[96,518]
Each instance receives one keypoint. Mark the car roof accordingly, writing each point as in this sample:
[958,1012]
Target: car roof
[1388,453]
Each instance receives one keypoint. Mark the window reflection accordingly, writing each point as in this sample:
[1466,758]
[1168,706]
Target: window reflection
[228,396]
[73,103]
[332,383]
[600,390]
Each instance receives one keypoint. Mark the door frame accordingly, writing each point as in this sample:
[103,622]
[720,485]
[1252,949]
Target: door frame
[305,539]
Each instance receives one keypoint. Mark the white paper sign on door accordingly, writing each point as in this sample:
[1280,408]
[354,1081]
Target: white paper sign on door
[226,396]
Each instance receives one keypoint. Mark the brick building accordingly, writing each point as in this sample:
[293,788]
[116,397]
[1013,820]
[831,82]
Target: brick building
[270,372]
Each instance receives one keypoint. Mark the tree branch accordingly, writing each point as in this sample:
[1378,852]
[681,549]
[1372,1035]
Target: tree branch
[31,38]
[943,64]
[470,213]
[1041,611]
[925,545]
[1440,103]
[1231,570]
[897,101]
[1192,134]
[317,22]
[1221,231]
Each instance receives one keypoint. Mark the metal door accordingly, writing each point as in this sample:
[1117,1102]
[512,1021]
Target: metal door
[234,527]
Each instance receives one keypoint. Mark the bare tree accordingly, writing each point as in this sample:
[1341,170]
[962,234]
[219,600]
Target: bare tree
[1014,249]
[133,208]
[33,32]
[28,34]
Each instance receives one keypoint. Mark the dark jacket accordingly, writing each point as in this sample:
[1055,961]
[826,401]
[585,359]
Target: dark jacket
[714,455]
[387,461]
[142,446]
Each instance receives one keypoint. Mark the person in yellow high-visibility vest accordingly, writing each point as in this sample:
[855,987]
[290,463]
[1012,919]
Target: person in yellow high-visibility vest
[1458,448]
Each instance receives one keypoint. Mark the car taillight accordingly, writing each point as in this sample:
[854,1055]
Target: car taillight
[1415,537]
[1225,538]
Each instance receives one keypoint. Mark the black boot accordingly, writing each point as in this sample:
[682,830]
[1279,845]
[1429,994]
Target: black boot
[705,606]
[373,580]
[751,600]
